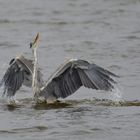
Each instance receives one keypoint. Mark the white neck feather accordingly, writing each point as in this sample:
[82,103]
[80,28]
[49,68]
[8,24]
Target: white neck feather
[34,78]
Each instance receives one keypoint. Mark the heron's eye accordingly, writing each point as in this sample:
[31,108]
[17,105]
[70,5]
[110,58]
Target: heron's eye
[31,44]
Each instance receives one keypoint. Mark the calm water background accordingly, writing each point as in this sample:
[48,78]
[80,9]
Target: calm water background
[106,32]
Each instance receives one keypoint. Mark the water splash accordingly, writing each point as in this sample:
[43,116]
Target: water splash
[116,95]
[1,89]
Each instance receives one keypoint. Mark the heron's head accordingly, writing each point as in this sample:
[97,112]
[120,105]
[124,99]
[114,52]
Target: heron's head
[34,43]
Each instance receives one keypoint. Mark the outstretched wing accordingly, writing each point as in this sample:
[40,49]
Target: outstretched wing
[76,73]
[16,74]
[19,72]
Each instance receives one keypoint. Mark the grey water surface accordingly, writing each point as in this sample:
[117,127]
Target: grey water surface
[105,32]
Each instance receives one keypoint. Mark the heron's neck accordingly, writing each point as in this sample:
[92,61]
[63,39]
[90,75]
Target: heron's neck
[34,78]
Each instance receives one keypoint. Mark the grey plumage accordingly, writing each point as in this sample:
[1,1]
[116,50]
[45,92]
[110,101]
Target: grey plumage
[68,78]
[76,73]
[18,73]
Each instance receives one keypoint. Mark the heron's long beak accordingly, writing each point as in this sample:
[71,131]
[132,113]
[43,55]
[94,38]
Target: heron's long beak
[34,44]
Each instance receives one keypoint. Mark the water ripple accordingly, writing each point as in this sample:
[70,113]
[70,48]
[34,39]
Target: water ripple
[25,130]
[4,21]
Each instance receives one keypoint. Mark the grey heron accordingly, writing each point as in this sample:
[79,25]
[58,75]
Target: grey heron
[68,78]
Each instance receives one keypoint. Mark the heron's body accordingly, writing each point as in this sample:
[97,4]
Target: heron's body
[68,78]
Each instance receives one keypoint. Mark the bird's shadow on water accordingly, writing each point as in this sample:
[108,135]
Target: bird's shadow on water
[28,103]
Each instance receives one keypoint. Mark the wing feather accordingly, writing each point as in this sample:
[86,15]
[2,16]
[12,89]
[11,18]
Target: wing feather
[13,79]
[15,75]
[19,73]
[101,78]
[73,74]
